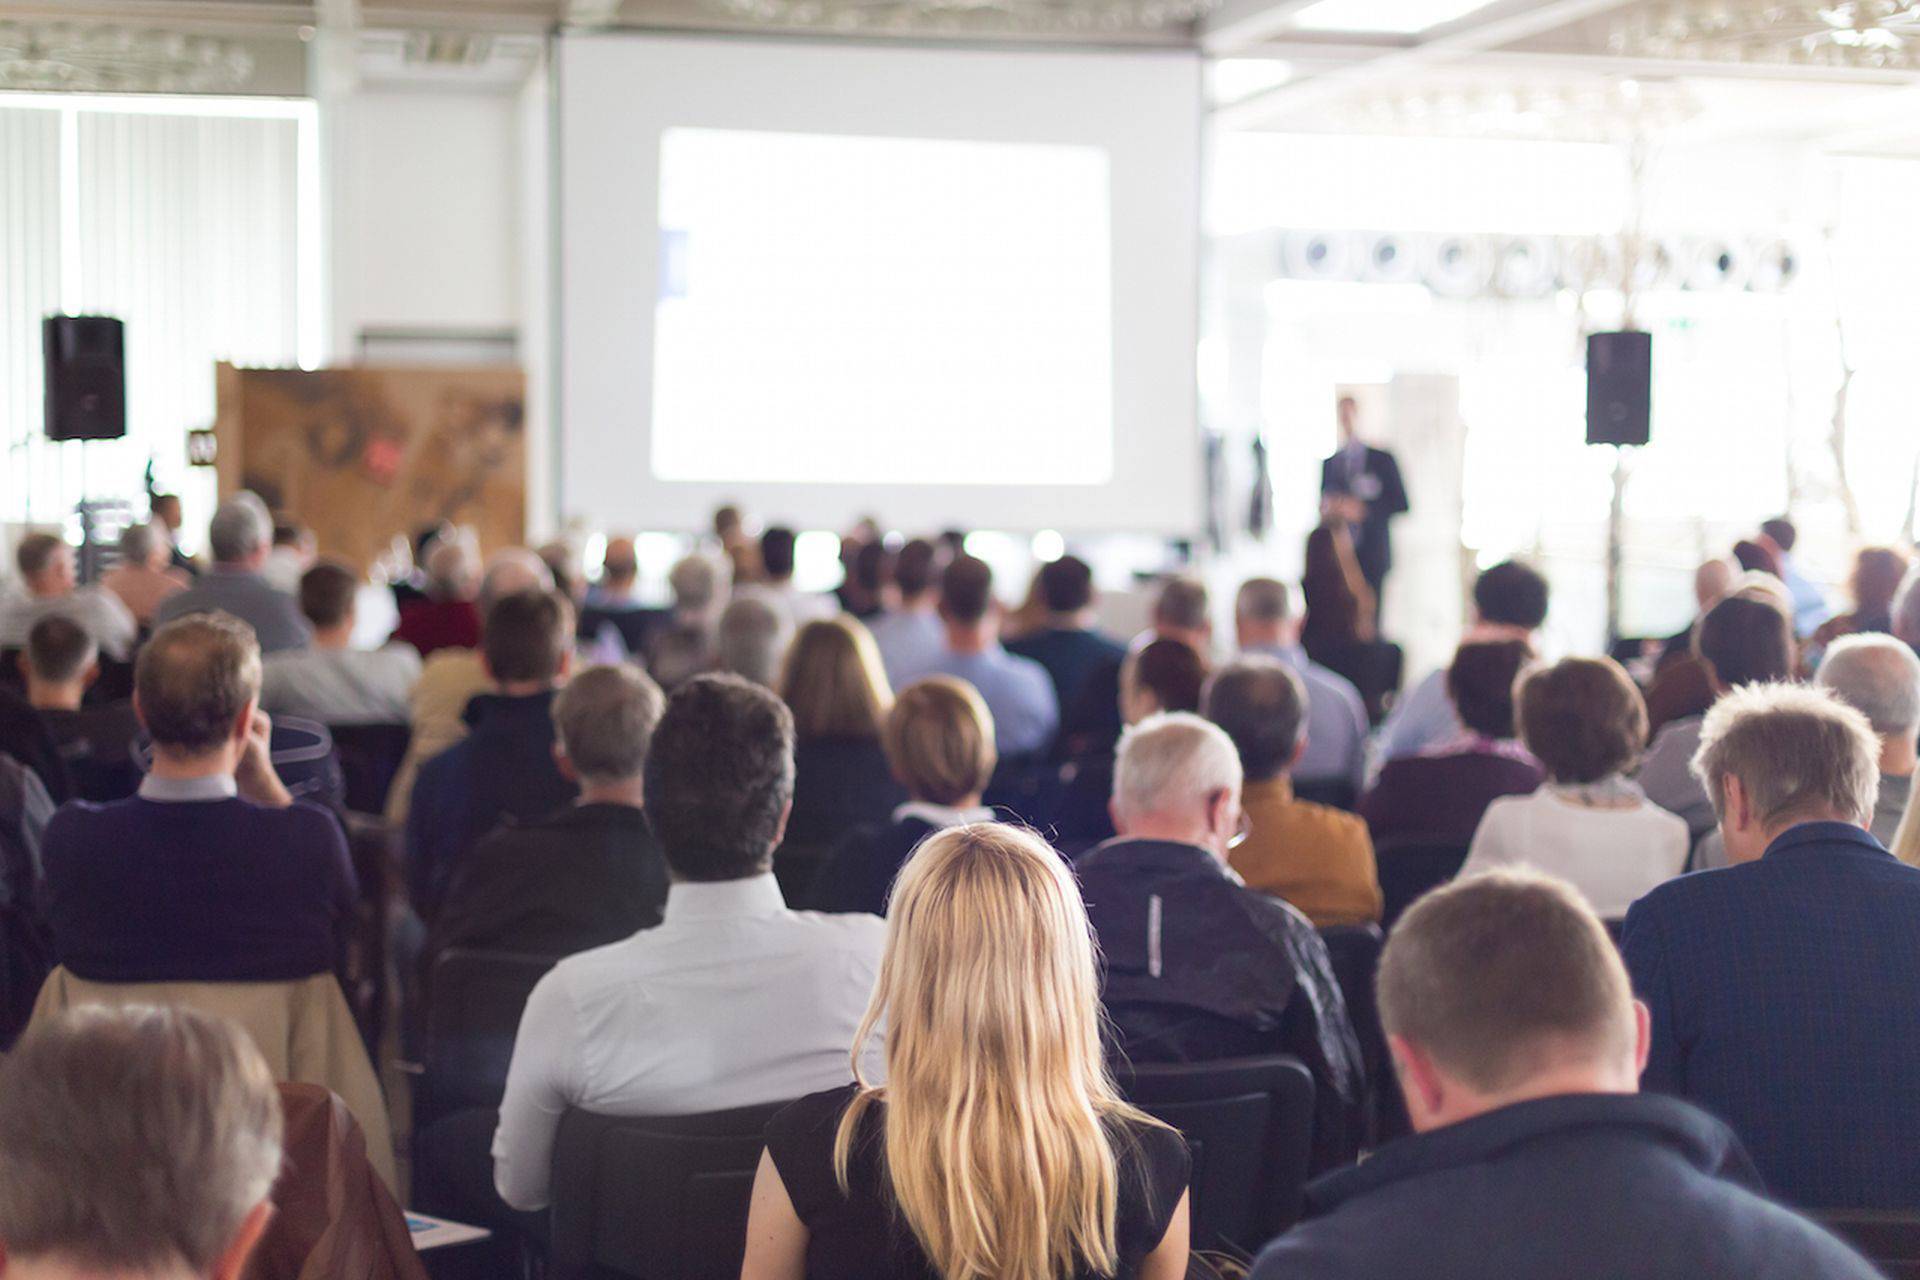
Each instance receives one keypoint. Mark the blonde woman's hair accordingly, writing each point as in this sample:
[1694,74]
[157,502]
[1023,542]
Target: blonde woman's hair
[939,740]
[999,1135]
[833,681]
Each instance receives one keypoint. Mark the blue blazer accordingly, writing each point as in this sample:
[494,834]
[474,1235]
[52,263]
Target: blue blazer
[1785,996]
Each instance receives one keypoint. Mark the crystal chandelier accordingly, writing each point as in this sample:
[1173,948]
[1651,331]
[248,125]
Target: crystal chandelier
[90,59]
[1881,34]
[963,16]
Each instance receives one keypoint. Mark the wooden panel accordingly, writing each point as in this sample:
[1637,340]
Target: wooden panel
[363,455]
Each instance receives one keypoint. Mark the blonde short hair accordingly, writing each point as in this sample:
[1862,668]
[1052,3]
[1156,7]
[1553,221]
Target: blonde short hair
[833,681]
[939,740]
[134,1139]
[1797,750]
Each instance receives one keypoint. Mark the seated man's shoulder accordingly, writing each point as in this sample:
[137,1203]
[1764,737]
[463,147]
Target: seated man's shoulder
[853,931]
[1335,824]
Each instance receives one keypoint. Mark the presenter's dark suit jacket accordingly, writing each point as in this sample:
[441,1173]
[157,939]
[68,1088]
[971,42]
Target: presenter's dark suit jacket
[1784,1002]
[1576,1187]
[1376,482]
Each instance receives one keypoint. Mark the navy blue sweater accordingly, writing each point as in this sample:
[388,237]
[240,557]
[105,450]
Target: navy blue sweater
[197,891]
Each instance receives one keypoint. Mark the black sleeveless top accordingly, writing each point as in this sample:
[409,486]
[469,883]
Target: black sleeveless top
[859,1236]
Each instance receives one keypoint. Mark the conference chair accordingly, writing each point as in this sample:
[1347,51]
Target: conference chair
[1335,793]
[659,1198]
[1889,1237]
[1248,1123]
[1409,868]
[370,756]
[474,1002]
[1354,950]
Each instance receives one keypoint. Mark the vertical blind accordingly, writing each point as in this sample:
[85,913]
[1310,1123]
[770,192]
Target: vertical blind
[185,218]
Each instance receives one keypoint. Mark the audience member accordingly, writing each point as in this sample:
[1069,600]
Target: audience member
[1810,607]
[240,536]
[776,587]
[453,677]
[1067,642]
[752,638]
[165,508]
[26,950]
[330,681]
[998,1140]
[1875,580]
[1746,638]
[1017,690]
[446,616]
[1339,603]
[1316,857]
[588,874]
[1879,677]
[683,647]
[144,576]
[1198,966]
[909,634]
[1681,684]
[939,746]
[294,551]
[1162,675]
[48,587]
[1906,610]
[1583,719]
[563,562]
[25,738]
[1777,985]
[869,572]
[1518,1048]
[1184,611]
[732,1000]
[212,872]
[833,683]
[1336,728]
[136,1142]
[1759,556]
[741,550]
[1441,794]
[504,767]
[1509,603]
[619,577]
[96,742]
[1091,725]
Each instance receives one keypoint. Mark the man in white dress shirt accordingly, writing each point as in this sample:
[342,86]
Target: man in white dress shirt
[732,1000]
[49,585]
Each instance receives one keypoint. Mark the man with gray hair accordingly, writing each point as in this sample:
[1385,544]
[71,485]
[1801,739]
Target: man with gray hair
[135,1142]
[590,873]
[1780,986]
[1265,624]
[1198,966]
[752,639]
[1879,676]
[683,648]
[48,586]
[240,537]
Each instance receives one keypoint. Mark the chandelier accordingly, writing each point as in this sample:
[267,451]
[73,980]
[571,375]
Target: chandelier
[90,59]
[963,16]
[1878,34]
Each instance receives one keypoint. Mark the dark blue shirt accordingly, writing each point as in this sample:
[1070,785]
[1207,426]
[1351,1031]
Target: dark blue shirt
[1783,1001]
[1578,1187]
[1071,655]
[197,891]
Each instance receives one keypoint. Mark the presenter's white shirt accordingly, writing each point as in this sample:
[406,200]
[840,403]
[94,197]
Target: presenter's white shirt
[1613,856]
[731,1001]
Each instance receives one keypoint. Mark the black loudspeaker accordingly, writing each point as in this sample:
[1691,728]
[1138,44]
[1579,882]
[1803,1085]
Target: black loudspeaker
[1619,388]
[86,377]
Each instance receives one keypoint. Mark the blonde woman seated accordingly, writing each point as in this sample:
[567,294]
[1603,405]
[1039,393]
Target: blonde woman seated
[1584,720]
[998,1148]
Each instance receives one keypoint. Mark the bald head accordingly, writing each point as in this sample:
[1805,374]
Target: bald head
[510,572]
[1711,581]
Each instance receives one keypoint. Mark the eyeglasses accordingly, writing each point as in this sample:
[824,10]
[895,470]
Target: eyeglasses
[1241,830]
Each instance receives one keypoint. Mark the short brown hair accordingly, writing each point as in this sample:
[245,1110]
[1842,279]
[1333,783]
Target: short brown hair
[1502,976]
[939,740]
[36,552]
[605,719]
[833,680]
[1172,670]
[1481,682]
[1065,585]
[1262,704]
[327,593]
[1182,603]
[913,568]
[527,636]
[193,680]
[1582,718]
[1797,750]
[59,649]
[966,589]
[1745,639]
[134,1140]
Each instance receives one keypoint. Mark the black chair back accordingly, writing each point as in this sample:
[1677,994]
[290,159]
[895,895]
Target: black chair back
[1409,868]
[1248,1123]
[1331,792]
[474,1004]
[1890,1238]
[1354,951]
[370,756]
[654,1198]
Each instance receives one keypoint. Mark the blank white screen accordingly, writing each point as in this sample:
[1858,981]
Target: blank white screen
[880,310]
[928,418]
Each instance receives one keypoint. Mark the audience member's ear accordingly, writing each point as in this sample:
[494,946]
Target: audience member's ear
[486,667]
[1299,750]
[563,763]
[780,835]
[1221,819]
[1421,1084]
[566,663]
[232,1263]
[1736,806]
[91,674]
[1642,1036]
[1113,813]
[138,713]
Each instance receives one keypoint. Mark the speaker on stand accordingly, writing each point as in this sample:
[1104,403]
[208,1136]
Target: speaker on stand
[86,399]
[1619,413]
